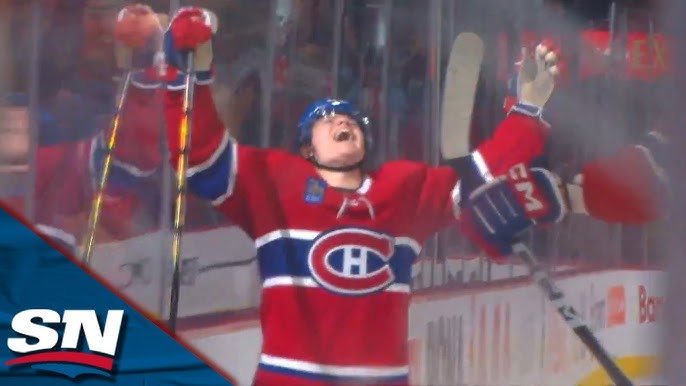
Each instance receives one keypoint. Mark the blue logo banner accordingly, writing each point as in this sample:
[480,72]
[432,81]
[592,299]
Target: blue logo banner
[60,326]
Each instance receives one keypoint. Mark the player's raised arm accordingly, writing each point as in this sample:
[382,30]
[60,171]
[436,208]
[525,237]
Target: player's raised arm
[491,210]
[138,35]
[213,153]
[231,176]
[470,181]
[136,155]
[522,135]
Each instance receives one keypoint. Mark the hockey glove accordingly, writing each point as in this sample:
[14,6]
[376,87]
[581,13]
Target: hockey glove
[191,29]
[138,44]
[497,212]
[534,80]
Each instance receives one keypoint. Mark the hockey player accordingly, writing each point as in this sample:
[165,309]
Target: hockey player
[335,240]
[69,155]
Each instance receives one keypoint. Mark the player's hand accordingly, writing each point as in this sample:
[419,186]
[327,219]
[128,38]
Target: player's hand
[497,212]
[536,77]
[138,37]
[533,82]
[191,29]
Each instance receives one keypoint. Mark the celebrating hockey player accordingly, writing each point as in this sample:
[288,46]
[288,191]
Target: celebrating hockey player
[336,240]
[70,150]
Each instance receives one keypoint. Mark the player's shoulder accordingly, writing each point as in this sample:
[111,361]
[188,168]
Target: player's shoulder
[273,160]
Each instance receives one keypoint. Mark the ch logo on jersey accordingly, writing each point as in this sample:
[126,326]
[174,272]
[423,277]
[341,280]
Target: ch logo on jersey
[352,261]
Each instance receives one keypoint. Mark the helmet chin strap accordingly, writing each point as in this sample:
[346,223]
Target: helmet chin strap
[346,168]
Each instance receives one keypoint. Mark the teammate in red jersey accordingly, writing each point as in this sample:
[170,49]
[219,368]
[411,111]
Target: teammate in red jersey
[630,186]
[336,240]
[70,149]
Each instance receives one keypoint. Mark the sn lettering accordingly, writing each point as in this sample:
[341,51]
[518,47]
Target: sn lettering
[35,323]
[649,307]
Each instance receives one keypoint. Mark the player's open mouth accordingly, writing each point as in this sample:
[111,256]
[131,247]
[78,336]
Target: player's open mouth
[342,136]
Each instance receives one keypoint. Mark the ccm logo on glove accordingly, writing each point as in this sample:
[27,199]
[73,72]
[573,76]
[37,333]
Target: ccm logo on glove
[523,185]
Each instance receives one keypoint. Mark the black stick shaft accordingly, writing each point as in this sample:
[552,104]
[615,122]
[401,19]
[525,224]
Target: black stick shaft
[569,314]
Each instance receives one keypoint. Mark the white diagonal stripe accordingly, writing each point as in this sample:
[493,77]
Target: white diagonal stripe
[300,281]
[340,371]
[481,164]
[298,234]
[226,139]
[233,172]
[410,242]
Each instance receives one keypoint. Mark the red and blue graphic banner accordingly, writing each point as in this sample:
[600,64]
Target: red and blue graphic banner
[60,326]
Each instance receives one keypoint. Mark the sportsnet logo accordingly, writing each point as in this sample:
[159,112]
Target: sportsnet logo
[41,347]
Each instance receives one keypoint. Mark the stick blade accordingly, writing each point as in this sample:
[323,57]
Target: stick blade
[461,79]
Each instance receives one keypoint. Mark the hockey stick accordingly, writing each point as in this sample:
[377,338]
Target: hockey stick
[96,206]
[569,314]
[181,189]
[461,79]
[457,110]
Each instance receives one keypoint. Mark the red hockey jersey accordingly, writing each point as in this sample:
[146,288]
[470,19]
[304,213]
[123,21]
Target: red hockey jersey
[627,187]
[67,170]
[335,266]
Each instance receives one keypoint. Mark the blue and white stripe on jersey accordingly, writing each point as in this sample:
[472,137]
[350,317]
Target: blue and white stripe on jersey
[215,178]
[283,259]
[336,374]
[122,174]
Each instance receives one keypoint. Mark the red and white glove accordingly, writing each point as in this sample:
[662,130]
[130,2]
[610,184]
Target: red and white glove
[191,30]
[138,36]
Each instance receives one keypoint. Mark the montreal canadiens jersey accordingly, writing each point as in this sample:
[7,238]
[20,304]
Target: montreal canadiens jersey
[627,187]
[67,169]
[335,266]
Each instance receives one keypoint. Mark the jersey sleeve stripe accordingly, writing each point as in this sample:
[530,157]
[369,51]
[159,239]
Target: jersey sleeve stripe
[97,156]
[233,172]
[133,170]
[192,170]
[481,166]
[122,175]
[214,180]
[412,243]
[456,198]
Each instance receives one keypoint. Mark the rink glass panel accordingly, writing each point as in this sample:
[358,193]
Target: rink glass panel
[273,58]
